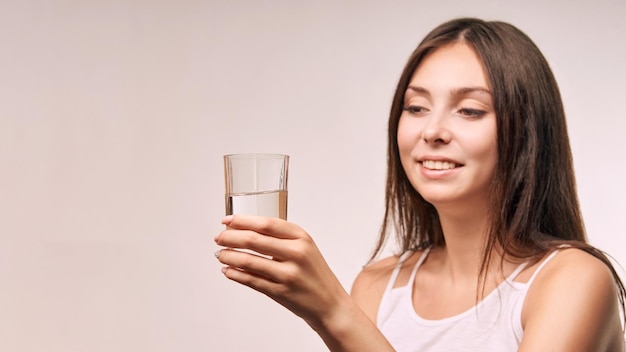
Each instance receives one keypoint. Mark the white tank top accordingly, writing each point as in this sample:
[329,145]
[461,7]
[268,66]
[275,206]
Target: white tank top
[494,324]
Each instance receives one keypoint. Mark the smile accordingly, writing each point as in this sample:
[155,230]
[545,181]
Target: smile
[438,165]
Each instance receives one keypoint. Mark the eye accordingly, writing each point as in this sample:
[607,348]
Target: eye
[415,109]
[471,113]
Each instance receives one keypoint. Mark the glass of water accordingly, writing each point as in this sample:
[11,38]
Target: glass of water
[256,184]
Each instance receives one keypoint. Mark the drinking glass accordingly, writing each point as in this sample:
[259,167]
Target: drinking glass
[256,184]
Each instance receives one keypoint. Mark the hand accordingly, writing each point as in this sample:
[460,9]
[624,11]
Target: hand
[294,273]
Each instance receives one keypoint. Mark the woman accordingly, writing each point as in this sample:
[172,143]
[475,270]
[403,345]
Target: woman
[481,194]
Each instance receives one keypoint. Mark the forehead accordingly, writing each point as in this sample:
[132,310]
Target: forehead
[451,66]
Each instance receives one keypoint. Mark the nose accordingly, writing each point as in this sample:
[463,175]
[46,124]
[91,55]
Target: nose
[436,132]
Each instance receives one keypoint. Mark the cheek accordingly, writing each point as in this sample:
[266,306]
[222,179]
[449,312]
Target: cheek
[487,153]
[491,149]
[406,138]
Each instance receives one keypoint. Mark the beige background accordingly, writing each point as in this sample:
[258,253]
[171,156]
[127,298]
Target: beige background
[114,116]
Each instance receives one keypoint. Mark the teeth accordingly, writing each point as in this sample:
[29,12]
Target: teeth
[438,165]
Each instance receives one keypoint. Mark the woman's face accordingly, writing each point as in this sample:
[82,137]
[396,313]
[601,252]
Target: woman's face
[447,131]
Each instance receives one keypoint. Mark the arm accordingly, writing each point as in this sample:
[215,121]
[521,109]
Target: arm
[572,306]
[297,277]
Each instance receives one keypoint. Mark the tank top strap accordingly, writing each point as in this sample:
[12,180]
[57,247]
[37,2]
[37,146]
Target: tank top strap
[541,265]
[516,272]
[396,271]
[417,265]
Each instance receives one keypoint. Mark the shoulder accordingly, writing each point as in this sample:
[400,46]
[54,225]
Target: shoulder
[370,284]
[572,268]
[572,264]
[376,273]
[571,305]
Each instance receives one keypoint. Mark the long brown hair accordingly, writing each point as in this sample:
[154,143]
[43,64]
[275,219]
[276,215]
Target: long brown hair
[534,202]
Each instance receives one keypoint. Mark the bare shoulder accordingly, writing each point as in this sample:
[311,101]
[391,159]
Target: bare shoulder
[573,268]
[373,278]
[572,305]
[369,286]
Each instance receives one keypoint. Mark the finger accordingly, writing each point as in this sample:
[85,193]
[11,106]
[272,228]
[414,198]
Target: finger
[251,280]
[256,265]
[274,227]
[245,239]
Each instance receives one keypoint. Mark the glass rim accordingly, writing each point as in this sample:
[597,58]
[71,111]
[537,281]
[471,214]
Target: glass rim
[256,155]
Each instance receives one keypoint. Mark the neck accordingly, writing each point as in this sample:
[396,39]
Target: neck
[465,236]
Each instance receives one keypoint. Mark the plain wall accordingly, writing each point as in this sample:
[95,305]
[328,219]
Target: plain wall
[114,116]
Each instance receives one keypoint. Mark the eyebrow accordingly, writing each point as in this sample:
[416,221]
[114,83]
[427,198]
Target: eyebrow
[455,92]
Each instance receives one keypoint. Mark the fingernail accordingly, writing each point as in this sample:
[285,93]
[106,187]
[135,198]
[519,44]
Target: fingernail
[226,220]
[217,253]
[224,269]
